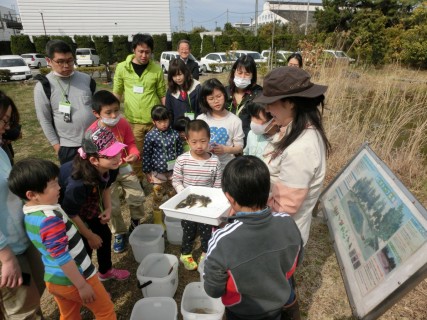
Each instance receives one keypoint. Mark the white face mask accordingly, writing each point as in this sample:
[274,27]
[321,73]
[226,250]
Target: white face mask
[259,129]
[242,83]
[61,76]
[110,121]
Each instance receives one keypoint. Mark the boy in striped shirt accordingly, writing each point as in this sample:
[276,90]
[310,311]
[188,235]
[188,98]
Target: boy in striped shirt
[69,273]
[197,167]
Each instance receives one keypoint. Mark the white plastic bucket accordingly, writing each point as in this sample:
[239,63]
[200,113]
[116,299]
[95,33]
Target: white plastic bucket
[158,275]
[196,304]
[174,230]
[146,239]
[159,308]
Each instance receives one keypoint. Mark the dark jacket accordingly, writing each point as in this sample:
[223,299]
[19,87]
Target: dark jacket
[178,106]
[81,199]
[241,110]
[249,263]
[194,68]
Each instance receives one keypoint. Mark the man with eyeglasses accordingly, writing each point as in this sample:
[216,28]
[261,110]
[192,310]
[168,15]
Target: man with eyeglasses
[66,114]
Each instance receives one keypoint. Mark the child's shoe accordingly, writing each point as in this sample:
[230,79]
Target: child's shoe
[119,243]
[188,261]
[116,274]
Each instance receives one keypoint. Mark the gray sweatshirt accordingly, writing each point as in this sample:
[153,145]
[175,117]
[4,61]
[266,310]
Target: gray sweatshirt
[67,134]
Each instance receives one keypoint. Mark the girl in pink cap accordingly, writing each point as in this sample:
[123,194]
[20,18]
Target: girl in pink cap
[86,195]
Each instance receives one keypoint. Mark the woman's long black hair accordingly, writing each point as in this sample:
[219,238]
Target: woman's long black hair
[177,66]
[307,113]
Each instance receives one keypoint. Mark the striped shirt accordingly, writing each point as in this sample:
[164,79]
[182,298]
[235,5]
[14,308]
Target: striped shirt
[192,172]
[58,241]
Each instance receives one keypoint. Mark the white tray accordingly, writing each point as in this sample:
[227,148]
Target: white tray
[215,212]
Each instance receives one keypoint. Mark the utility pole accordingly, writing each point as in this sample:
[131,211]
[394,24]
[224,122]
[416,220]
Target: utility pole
[181,15]
[306,17]
[227,15]
[44,27]
[256,17]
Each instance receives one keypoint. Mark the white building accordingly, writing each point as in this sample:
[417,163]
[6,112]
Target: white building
[288,11]
[95,17]
[10,23]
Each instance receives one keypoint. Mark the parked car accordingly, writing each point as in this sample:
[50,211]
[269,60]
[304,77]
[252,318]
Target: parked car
[220,60]
[340,56]
[281,55]
[17,66]
[167,56]
[256,55]
[87,57]
[35,60]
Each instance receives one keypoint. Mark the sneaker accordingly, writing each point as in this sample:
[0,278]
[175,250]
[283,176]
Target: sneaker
[188,261]
[119,243]
[116,274]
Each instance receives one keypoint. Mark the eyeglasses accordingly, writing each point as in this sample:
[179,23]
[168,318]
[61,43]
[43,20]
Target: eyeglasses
[69,62]
[5,123]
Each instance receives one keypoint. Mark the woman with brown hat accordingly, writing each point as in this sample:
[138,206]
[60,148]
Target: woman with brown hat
[297,156]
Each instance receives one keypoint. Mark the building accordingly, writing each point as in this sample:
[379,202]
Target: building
[10,23]
[294,12]
[95,17]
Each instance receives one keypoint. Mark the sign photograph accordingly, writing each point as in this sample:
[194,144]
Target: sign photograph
[379,231]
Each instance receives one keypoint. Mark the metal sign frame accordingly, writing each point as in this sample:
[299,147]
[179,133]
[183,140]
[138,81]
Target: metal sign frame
[379,233]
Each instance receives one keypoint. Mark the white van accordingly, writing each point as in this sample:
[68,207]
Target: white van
[87,57]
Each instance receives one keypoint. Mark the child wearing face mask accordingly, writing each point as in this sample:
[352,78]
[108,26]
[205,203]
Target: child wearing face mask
[106,108]
[263,128]
[242,89]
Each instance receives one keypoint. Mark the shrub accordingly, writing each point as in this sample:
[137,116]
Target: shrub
[121,48]
[4,75]
[160,44]
[83,41]
[196,44]
[21,44]
[103,47]
[40,43]
[207,45]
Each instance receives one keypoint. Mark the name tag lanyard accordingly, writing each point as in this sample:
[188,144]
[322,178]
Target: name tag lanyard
[164,148]
[190,114]
[65,104]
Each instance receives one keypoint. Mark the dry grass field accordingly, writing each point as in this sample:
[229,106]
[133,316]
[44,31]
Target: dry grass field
[385,107]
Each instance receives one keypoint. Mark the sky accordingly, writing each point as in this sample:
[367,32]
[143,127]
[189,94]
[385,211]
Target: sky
[207,13]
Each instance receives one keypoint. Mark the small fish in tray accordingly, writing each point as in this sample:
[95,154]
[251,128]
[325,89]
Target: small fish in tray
[193,199]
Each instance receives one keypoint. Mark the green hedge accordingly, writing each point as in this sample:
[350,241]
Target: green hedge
[196,44]
[21,44]
[104,49]
[160,44]
[121,48]
[83,41]
[207,45]
[40,43]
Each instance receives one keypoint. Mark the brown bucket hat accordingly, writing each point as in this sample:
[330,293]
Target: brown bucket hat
[288,82]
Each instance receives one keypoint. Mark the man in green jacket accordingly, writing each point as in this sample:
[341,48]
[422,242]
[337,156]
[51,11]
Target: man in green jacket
[141,83]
